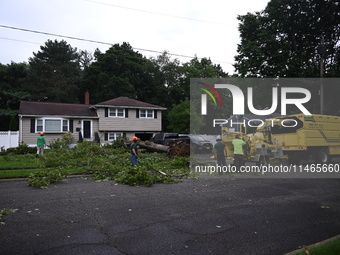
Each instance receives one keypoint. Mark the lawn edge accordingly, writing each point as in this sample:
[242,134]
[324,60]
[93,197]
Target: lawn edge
[314,245]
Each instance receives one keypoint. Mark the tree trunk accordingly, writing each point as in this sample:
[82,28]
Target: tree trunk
[153,146]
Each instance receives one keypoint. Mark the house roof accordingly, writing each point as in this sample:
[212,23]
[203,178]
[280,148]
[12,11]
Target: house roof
[128,102]
[29,108]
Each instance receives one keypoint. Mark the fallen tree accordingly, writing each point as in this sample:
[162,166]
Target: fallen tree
[154,147]
[179,149]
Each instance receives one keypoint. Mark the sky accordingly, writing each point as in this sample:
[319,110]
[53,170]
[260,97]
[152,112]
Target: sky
[206,29]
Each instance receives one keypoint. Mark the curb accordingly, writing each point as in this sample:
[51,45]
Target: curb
[314,245]
[26,179]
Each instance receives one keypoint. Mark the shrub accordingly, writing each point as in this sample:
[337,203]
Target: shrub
[43,179]
[21,149]
[63,143]
[116,144]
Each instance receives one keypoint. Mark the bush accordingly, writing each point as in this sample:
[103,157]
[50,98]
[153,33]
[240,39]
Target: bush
[21,149]
[43,179]
[116,144]
[63,143]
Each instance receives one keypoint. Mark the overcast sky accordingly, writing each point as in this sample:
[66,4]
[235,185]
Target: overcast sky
[183,27]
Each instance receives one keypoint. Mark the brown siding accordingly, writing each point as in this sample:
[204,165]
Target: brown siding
[31,138]
[129,124]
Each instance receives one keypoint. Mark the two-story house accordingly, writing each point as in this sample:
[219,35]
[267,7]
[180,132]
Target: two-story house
[103,122]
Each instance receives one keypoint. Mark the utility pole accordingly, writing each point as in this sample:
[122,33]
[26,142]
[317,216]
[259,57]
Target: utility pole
[321,51]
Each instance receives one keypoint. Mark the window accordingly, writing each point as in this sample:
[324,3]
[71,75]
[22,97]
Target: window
[117,112]
[114,136]
[65,125]
[40,126]
[52,125]
[146,114]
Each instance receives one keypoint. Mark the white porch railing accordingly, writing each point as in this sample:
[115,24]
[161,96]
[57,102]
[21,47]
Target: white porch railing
[9,139]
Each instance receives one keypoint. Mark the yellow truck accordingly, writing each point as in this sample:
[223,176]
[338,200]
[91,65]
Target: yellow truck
[297,137]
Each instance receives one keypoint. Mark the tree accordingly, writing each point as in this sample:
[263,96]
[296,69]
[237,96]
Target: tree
[203,68]
[85,58]
[171,74]
[12,80]
[195,68]
[121,71]
[282,40]
[13,124]
[55,73]
[179,118]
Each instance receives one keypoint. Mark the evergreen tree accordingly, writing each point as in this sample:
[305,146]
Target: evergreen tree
[55,73]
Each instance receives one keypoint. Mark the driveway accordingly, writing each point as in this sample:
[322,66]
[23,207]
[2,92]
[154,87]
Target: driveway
[210,215]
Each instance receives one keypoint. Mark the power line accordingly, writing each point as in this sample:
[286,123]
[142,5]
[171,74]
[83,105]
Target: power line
[17,40]
[94,41]
[45,33]
[157,13]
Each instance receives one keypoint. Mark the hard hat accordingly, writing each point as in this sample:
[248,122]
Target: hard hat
[134,138]
[41,133]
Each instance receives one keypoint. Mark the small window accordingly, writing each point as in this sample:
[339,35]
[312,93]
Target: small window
[40,126]
[146,114]
[116,113]
[65,125]
[114,136]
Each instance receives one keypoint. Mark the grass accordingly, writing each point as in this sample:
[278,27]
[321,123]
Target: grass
[25,173]
[329,248]
[24,165]
[27,161]
[15,174]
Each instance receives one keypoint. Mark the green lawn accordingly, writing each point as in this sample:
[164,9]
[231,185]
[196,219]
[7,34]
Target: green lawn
[15,174]
[24,165]
[329,248]
[26,161]
[25,173]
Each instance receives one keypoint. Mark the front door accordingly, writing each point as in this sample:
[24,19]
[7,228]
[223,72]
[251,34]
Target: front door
[87,129]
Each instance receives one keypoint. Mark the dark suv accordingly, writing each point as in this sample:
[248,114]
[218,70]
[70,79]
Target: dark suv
[199,144]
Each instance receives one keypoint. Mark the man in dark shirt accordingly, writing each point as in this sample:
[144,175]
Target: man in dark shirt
[220,152]
[134,151]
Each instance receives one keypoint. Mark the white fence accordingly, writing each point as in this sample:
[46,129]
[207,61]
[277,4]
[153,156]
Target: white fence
[9,139]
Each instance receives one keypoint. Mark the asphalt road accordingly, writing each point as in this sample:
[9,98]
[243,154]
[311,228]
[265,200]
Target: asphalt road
[210,215]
